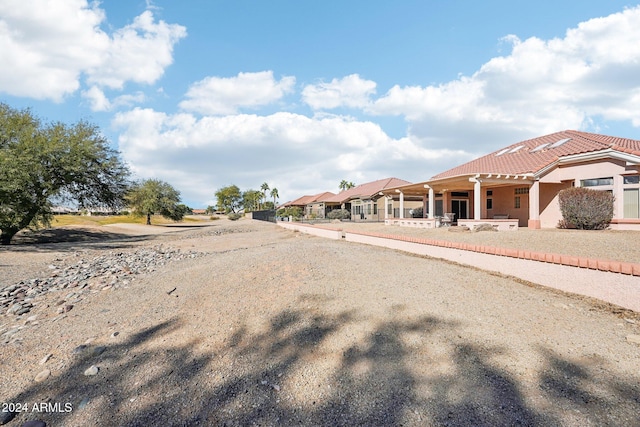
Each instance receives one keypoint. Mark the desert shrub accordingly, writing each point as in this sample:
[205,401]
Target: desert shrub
[416,213]
[339,214]
[234,216]
[214,218]
[585,209]
[293,211]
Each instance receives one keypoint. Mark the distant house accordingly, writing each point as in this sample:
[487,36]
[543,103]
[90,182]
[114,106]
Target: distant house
[366,202]
[64,210]
[311,206]
[199,211]
[519,184]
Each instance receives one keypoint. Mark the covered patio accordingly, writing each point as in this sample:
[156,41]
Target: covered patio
[506,202]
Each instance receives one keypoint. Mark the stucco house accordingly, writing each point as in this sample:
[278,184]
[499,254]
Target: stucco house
[311,206]
[365,201]
[518,185]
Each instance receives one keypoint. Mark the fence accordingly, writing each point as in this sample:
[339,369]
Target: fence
[269,215]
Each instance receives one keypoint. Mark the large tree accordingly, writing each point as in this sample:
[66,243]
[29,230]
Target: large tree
[229,198]
[42,163]
[264,187]
[251,200]
[153,196]
[275,195]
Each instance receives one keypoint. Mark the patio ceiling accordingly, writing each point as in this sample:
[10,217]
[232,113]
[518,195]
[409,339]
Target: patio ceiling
[460,183]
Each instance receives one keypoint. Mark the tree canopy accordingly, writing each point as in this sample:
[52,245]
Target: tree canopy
[42,163]
[229,198]
[153,196]
[345,185]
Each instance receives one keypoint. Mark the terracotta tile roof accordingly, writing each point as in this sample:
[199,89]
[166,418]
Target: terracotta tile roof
[305,200]
[368,189]
[533,155]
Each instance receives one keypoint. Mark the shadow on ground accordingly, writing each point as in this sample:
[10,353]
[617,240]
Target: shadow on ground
[280,377]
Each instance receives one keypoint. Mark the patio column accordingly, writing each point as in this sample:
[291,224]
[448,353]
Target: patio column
[432,203]
[424,206]
[477,206]
[386,207]
[401,204]
[534,206]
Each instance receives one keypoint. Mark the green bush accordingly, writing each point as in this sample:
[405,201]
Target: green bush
[234,216]
[585,209]
[339,214]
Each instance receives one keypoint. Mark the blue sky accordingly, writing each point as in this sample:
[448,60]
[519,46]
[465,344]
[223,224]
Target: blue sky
[207,93]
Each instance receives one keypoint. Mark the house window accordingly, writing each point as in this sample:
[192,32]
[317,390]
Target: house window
[633,179]
[368,208]
[594,182]
[489,204]
[517,202]
[375,209]
[631,203]
[522,190]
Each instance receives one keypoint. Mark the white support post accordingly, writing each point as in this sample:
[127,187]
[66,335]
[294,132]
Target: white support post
[401,204]
[534,205]
[477,205]
[386,207]
[432,203]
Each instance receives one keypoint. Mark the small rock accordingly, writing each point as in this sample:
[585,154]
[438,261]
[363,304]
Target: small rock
[42,375]
[79,349]
[84,402]
[23,311]
[115,334]
[34,423]
[635,339]
[92,370]
[45,359]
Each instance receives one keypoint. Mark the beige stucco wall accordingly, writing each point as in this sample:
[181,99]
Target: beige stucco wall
[504,199]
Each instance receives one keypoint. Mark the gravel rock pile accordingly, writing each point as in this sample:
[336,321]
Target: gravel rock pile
[78,275]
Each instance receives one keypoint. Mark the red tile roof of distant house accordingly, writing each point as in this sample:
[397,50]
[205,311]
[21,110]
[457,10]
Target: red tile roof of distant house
[368,189]
[305,200]
[533,155]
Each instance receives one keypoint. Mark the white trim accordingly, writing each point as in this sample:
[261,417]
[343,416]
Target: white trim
[608,153]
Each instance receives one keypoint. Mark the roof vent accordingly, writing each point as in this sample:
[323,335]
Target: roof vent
[559,143]
[501,152]
[539,147]
[515,149]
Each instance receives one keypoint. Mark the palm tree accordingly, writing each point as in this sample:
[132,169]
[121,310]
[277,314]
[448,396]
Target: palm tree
[275,195]
[345,185]
[264,187]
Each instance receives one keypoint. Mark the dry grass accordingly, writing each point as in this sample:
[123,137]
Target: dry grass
[80,220]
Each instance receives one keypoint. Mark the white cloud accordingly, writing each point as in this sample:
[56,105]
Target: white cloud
[226,95]
[52,45]
[540,87]
[296,153]
[350,91]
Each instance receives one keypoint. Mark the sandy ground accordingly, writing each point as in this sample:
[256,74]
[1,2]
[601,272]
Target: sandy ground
[273,327]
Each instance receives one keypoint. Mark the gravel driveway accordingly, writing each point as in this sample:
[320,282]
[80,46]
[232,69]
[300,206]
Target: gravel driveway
[264,326]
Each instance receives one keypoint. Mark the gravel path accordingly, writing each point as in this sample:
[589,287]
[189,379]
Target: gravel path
[243,323]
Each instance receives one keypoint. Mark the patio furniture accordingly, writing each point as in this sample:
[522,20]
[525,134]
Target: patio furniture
[447,219]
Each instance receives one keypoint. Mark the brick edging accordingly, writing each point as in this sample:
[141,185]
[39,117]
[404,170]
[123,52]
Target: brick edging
[628,268]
